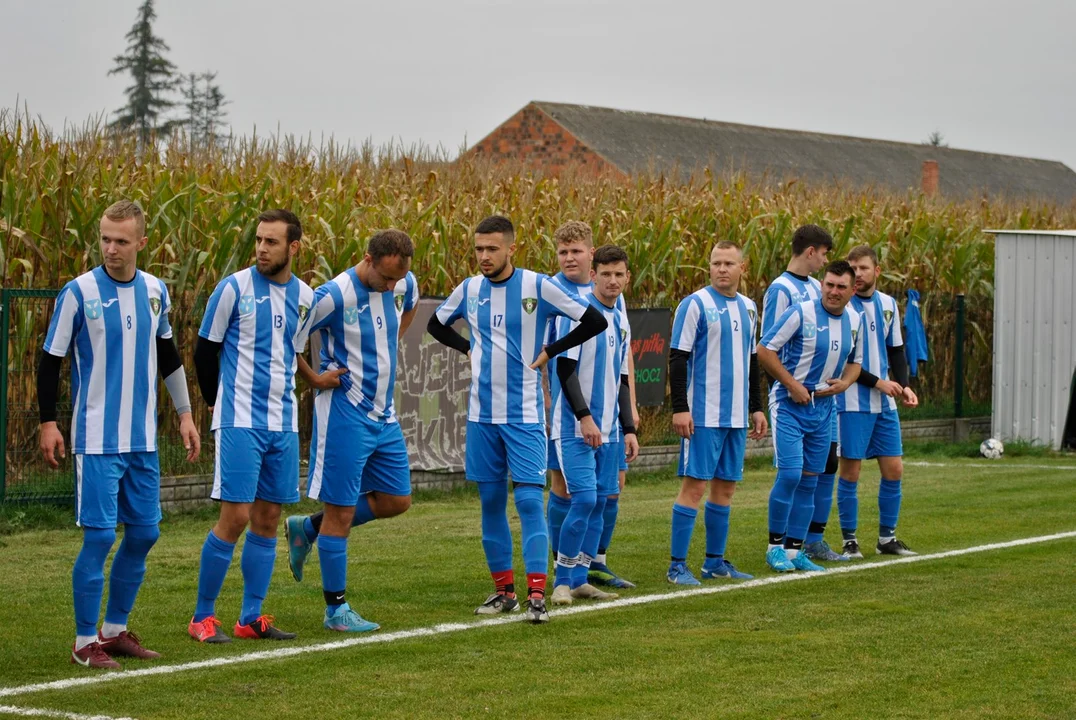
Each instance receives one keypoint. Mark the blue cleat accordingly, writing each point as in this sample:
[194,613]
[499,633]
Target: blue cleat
[347,620]
[802,562]
[723,569]
[822,551]
[600,574]
[298,546]
[778,560]
[680,575]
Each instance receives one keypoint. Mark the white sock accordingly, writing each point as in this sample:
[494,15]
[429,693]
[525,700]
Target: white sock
[790,553]
[111,630]
[884,540]
[600,557]
[82,641]
[771,546]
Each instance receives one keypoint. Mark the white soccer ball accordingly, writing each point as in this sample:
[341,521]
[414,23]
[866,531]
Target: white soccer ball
[991,449]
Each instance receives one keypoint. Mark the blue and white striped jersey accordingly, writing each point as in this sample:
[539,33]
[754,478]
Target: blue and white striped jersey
[560,326]
[263,325]
[784,292]
[813,345]
[360,330]
[881,330]
[719,332]
[111,328]
[600,362]
[508,322]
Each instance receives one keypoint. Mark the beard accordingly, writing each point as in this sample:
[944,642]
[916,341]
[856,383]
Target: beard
[271,268]
[496,271]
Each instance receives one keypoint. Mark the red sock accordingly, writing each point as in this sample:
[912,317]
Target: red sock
[536,585]
[504,581]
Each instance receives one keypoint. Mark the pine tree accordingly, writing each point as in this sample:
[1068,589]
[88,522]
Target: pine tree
[203,103]
[153,76]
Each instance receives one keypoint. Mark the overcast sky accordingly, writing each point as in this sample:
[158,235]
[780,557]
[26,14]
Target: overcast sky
[990,75]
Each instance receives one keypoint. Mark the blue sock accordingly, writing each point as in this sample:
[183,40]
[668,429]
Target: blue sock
[888,507]
[848,507]
[88,577]
[363,512]
[784,490]
[612,509]
[216,557]
[496,535]
[332,552]
[532,527]
[571,534]
[591,538]
[802,508]
[128,570]
[259,556]
[683,524]
[823,503]
[716,518]
[555,512]
[309,530]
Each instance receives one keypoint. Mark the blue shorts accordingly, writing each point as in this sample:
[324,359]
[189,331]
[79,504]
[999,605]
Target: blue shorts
[713,454]
[590,468]
[553,463]
[350,454]
[802,434]
[117,488]
[256,464]
[866,435]
[494,450]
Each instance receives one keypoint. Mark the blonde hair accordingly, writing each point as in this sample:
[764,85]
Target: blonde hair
[126,209]
[572,231]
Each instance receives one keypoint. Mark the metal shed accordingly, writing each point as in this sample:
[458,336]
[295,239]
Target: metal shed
[1034,334]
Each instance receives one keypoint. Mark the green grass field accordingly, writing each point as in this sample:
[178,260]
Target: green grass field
[979,635]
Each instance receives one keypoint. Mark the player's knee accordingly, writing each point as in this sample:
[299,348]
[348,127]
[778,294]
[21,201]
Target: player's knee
[528,499]
[386,506]
[99,538]
[892,468]
[721,492]
[141,537]
[850,471]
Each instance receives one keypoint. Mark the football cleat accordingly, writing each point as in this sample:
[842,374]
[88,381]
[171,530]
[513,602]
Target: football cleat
[680,575]
[298,546]
[497,603]
[562,595]
[347,620]
[207,631]
[823,552]
[894,547]
[802,562]
[851,549]
[536,612]
[586,591]
[261,628]
[600,574]
[93,656]
[777,559]
[724,570]
[126,644]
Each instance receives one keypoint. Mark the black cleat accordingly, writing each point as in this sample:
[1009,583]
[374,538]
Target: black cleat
[536,612]
[851,549]
[496,604]
[894,547]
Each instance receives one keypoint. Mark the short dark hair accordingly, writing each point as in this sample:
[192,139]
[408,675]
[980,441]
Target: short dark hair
[388,243]
[496,224]
[728,245]
[810,236]
[610,254]
[862,251]
[295,228]
[841,267]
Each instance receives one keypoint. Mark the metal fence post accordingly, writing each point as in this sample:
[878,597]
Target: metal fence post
[958,384]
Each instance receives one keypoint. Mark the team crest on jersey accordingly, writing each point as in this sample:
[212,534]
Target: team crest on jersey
[155,305]
[351,315]
[751,314]
[303,312]
[623,334]
[246,304]
[855,333]
[399,303]
[711,315]
[93,309]
[529,305]
[888,315]
[472,305]
[809,330]
[799,297]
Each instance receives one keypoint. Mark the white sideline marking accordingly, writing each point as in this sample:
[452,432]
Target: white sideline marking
[445,628]
[42,712]
[991,465]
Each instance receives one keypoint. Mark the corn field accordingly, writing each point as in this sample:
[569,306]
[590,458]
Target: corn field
[201,204]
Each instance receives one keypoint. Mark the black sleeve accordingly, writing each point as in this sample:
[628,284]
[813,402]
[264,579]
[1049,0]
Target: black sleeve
[168,360]
[592,323]
[48,381]
[207,366]
[754,380]
[678,380]
[898,365]
[867,379]
[627,422]
[569,383]
[447,335]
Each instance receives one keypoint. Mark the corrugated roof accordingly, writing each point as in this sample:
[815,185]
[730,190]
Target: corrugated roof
[633,141]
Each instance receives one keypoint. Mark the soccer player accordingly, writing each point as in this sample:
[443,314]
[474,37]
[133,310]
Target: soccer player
[810,246]
[592,428]
[255,326]
[114,322]
[812,353]
[575,252]
[358,458]
[507,311]
[713,372]
[867,411]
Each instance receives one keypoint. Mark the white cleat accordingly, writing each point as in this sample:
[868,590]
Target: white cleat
[586,591]
[562,595]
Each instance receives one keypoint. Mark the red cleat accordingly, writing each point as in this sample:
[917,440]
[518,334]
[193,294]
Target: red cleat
[207,631]
[92,656]
[262,629]
[126,644]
